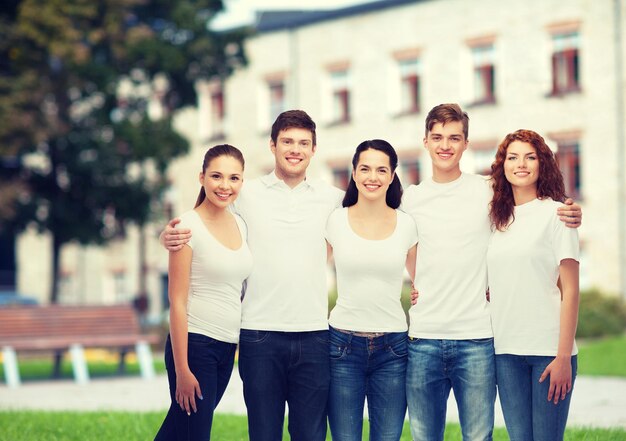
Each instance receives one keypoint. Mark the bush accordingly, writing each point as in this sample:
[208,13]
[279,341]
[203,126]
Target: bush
[600,315]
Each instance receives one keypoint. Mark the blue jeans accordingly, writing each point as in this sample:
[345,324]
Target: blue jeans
[528,414]
[211,361]
[465,366]
[279,367]
[367,367]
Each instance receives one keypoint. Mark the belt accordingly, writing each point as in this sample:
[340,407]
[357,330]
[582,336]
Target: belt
[362,334]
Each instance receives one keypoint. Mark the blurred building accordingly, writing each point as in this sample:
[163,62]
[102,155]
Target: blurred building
[373,71]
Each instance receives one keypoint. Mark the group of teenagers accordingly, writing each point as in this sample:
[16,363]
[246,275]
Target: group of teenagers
[493,261]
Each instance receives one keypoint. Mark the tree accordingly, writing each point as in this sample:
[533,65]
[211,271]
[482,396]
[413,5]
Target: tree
[74,151]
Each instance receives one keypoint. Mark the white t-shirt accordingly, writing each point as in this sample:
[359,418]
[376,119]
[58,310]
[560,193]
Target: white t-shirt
[287,289]
[451,270]
[217,275]
[369,275]
[523,264]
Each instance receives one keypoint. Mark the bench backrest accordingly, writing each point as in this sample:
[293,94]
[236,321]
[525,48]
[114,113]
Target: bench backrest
[67,320]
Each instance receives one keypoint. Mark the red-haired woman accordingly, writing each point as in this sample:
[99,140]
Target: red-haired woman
[531,255]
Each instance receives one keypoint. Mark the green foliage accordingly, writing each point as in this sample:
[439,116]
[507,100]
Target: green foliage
[78,157]
[606,357]
[134,426]
[600,315]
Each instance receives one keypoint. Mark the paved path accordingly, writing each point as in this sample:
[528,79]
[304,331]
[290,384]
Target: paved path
[598,402]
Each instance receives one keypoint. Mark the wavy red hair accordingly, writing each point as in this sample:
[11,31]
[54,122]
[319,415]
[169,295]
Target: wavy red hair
[550,182]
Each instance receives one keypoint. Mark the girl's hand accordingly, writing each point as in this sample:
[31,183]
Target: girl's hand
[186,389]
[560,372]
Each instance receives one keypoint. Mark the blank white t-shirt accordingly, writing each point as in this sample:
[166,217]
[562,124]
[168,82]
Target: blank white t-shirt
[369,275]
[523,264]
[217,275]
[451,270]
[286,290]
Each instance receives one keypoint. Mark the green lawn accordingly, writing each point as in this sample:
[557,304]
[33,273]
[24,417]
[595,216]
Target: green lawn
[605,356]
[41,368]
[602,357]
[103,426]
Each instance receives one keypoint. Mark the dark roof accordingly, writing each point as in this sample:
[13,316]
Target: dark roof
[269,21]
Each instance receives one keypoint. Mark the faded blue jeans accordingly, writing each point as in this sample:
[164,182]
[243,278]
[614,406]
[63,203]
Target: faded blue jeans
[363,367]
[211,361]
[285,367]
[528,414]
[465,366]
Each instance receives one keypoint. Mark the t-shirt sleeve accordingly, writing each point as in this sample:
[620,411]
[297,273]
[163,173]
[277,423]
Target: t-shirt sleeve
[565,242]
[186,221]
[331,227]
[411,231]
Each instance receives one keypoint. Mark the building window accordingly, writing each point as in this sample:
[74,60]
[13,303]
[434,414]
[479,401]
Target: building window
[340,97]
[276,91]
[568,155]
[119,285]
[409,85]
[410,171]
[217,112]
[341,177]
[484,74]
[565,65]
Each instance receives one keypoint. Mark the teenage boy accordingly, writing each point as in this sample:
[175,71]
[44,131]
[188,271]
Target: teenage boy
[450,336]
[283,346]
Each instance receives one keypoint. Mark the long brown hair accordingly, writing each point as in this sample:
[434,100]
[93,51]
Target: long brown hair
[550,182]
[216,152]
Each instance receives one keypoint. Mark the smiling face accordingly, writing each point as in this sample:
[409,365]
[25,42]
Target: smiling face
[222,180]
[521,165]
[292,151]
[445,144]
[372,175]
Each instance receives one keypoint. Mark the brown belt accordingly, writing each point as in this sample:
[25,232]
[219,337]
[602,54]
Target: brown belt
[362,334]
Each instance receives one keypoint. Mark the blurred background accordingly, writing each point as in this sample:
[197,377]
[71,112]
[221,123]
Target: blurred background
[107,108]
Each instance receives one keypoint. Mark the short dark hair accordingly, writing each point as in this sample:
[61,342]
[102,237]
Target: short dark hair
[216,152]
[445,113]
[394,192]
[293,119]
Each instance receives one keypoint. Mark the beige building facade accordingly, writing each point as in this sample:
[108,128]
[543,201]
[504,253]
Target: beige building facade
[373,71]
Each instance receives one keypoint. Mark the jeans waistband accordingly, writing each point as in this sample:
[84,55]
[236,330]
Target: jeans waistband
[362,334]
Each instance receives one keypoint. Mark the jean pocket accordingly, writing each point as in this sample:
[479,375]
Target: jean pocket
[399,349]
[338,352]
[488,340]
[322,337]
[253,336]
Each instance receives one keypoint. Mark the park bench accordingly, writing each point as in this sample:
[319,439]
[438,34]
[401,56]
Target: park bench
[60,328]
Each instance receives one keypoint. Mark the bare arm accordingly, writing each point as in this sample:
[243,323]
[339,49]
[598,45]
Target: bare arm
[570,213]
[560,370]
[172,238]
[411,259]
[186,383]
[329,253]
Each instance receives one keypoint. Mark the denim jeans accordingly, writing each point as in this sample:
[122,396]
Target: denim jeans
[367,367]
[279,367]
[465,366]
[211,361]
[528,414]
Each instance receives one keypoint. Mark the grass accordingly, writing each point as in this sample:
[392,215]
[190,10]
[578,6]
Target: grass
[103,426]
[605,356]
